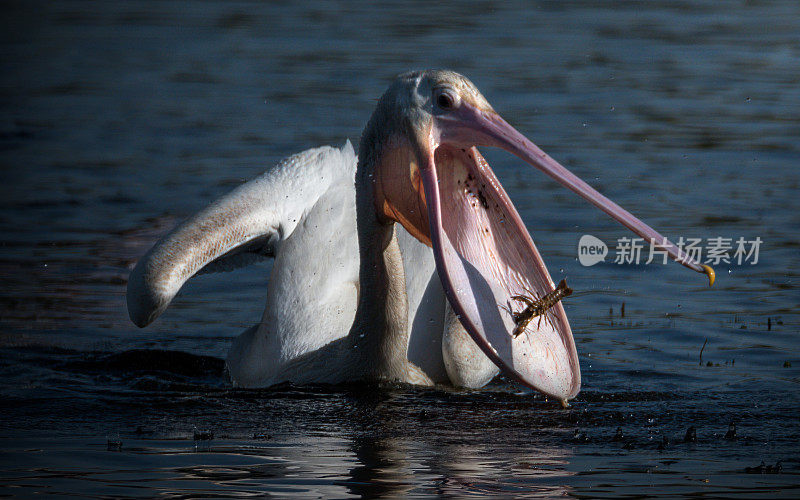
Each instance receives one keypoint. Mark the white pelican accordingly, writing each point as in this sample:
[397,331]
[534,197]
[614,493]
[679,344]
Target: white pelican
[354,296]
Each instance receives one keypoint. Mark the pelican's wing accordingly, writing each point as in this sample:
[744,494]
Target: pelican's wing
[244,226]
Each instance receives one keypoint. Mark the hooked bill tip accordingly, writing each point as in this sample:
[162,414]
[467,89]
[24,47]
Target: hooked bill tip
[708,271]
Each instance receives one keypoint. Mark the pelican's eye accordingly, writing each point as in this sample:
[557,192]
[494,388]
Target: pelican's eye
[445,99]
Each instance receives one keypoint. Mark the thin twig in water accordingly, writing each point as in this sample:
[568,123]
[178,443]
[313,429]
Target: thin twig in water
[701,351]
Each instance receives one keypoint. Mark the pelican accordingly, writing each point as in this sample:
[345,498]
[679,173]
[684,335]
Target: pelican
[391,265]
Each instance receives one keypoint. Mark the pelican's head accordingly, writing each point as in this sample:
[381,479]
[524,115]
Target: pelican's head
[403,135]
[419,151]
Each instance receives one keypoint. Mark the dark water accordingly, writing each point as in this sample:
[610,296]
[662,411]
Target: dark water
[119,119]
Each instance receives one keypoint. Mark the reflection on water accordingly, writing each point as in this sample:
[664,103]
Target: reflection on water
[119,119]
[373,441]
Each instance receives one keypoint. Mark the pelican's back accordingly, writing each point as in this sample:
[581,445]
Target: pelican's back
[313,288]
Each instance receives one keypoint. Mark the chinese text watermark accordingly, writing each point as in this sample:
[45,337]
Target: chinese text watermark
[711,251]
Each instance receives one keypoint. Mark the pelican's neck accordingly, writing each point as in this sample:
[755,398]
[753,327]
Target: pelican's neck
[380,329]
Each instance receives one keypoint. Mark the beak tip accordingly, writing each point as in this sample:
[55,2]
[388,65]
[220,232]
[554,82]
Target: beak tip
[708,271]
